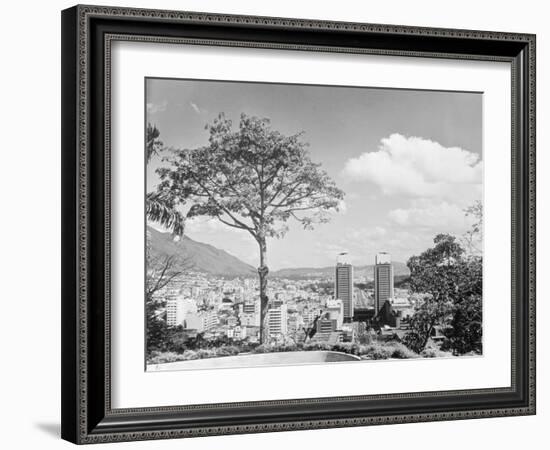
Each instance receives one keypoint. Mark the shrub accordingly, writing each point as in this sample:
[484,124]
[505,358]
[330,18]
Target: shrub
[188,355]
[375,351]
[431,351]
[166,357]
[317,346]
[401,351]
[274,348]
[228,350]
[346,347]
[388,350]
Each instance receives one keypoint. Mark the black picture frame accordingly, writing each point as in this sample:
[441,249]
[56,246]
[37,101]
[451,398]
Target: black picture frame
[87,33]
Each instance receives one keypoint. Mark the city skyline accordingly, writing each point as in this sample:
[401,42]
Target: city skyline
[409,162]
[218,308]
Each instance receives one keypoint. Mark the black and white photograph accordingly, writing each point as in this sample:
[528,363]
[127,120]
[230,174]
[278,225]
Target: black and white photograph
[291,224]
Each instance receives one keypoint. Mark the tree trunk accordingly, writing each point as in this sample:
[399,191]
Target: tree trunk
[427,337]
[262,273]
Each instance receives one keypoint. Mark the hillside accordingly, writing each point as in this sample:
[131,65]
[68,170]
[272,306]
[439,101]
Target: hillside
[209,259]
[203,257]
[399,269]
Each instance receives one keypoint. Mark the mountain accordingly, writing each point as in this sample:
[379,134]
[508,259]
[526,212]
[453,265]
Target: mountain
[202,257]
[399,269]
[207,258]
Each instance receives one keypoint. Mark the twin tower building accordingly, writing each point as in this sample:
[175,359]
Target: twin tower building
[383,284]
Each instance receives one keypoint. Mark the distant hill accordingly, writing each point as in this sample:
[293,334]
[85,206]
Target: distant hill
[399,269]
[203,257]
[209,259]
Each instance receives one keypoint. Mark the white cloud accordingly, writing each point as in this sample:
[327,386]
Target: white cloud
[154,108]
[437,215]
[206,225]
[421,168]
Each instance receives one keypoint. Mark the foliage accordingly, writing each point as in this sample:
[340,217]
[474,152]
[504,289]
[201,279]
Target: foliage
[388,350]
[464,332]
[157,357]
[160,272]
[153,144]
[159,207]
[432,351]
[253,179]
[452,288]
[274,348]
[473,238]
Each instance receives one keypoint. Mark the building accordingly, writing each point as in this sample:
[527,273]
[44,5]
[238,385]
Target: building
[201,321]
[277,321]
[335,311]
[250,315]
[209,319]
[326,325]
[177,310]
[348,333]
[194,321]
[383,280]
[343,288]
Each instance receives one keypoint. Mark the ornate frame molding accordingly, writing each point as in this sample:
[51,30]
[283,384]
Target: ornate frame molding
[80,418]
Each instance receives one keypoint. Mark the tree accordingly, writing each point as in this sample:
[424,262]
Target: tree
[158,207]
[160,272]
[153,144]
[452,287]
[253,179]
[473,238]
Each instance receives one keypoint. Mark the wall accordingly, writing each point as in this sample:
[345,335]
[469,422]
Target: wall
[30,224]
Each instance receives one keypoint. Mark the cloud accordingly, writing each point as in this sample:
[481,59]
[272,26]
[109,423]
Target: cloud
[207,225]
[154,108]
[435,215]
[421,168]
[195,107]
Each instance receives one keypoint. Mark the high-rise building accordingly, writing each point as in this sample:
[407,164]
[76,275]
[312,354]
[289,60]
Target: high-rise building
[343,288]
[383,280]
[277,319]
[177,310]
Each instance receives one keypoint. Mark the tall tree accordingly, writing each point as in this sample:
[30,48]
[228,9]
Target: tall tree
[254,179]
[451,285]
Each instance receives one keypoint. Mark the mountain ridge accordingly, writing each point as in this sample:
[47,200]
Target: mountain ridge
[367,270]
[197,256]
[203,257]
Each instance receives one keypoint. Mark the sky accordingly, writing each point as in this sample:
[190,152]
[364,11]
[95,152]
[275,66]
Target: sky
[409,162]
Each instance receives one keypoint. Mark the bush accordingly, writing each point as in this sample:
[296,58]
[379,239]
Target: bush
[394,350]
[375,351]
[228,350]
[401,351]
[274,348]
[346,347]
[317,346]
[165,357]
[434,352]
[188,355]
